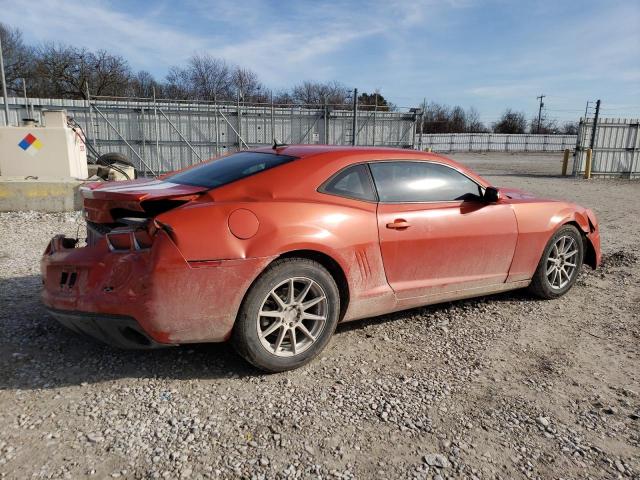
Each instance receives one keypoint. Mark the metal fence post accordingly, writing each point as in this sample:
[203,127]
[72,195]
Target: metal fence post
[91,121]
[4,87]
[587,168]
[239,114]
[26,101]
[354,139]
[157,129]
[217,124]
[375,111]
[273,124]
[595,126]
[144,143]
[326,122]
[592,143]
[565,162]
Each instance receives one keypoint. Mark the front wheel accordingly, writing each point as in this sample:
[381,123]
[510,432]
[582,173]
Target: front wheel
[560,264]
[288,315]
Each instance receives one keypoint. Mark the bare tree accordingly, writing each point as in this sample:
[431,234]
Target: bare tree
[511,122]
[473,122]
[110,74]
[457,120]
[143,84]
[283,97]
[439,118]
[570,128]
[203,78]
[316,94]
[18,58]
[247,84]
[547,126]
[65,71]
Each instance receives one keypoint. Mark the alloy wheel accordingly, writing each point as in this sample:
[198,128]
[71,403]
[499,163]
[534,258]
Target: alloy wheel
[292,316]
[561,263]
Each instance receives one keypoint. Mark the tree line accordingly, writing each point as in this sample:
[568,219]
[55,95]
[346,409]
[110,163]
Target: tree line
[54,70]
[439,118]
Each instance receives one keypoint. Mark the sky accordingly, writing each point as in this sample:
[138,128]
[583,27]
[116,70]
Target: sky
[487,54]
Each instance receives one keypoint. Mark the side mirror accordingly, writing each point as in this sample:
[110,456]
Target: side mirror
[491,195]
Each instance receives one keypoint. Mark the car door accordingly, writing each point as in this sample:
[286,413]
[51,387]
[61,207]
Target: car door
[436,233]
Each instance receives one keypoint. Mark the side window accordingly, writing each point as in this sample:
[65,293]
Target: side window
[352,182]
[421,182]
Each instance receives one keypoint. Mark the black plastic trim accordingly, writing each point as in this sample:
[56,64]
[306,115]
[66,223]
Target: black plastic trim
[115,330]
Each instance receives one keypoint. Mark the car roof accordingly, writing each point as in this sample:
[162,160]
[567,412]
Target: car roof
[302,151]
[348,154]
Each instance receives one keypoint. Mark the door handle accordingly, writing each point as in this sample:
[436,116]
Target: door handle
[399,224]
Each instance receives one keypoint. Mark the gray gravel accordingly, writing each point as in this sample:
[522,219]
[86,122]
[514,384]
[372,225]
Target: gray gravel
[498,387]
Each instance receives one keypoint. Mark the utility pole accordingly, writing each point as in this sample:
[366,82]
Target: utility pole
[540,111]
[4,87]
[595,125]
[375,111]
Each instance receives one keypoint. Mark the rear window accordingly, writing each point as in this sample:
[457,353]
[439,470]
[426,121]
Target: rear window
[229,169]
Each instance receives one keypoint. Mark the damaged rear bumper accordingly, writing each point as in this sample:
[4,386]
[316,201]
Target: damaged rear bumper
[144,298]
[115,330]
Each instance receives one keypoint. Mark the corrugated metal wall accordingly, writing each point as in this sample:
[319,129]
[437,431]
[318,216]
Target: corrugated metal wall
[616,149]
[168,135]
[495,142]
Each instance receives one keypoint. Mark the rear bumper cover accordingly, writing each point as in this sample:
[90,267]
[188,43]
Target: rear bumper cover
[156,292]
[115,330]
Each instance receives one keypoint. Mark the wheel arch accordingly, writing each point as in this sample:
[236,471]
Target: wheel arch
[589,254]
[333,267]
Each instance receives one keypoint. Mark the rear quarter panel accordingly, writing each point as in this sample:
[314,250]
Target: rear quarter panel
[343,229]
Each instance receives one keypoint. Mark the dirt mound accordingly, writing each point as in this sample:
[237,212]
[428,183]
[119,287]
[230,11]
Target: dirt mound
[621,258]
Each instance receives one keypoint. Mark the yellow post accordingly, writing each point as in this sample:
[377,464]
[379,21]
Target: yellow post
[587,167]
[565,162]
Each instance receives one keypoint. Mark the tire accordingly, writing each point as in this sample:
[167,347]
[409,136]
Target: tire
[116,161]
[113,157]
[547,284]
[295,330]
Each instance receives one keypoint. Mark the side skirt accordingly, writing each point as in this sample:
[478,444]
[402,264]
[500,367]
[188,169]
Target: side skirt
[407,303]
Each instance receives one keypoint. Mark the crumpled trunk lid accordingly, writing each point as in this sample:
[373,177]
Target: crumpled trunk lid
[143,198]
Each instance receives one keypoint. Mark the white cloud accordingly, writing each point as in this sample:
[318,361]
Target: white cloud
[143,41]
[276,48]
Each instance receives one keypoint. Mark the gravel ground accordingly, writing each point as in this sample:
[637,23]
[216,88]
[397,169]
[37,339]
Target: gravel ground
[498,387]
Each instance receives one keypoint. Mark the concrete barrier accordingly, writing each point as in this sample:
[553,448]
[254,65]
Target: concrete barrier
[40,194]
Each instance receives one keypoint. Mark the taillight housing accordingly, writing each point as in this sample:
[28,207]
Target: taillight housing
[59,243]
[128,240]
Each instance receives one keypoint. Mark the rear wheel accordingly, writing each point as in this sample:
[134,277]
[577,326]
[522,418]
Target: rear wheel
[288,316]
[560,264]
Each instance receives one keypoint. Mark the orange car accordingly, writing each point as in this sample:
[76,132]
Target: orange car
[271,248]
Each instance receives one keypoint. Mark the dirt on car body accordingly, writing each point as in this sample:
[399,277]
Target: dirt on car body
[505,386]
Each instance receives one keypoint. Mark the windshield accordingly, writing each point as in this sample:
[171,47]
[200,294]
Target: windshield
[229,169]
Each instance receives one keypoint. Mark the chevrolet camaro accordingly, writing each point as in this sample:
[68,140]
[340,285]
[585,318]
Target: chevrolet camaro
[272,248]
